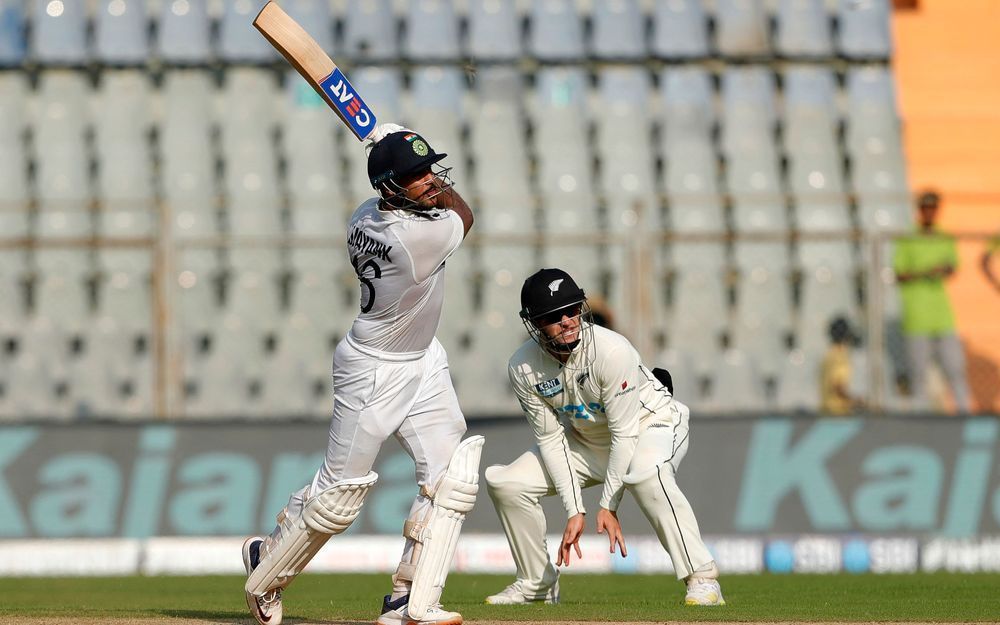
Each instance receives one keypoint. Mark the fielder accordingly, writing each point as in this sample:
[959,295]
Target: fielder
[390,377]
[620,427]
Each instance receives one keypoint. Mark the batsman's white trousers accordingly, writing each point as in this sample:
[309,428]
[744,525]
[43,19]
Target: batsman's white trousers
[377,395]
[516,490]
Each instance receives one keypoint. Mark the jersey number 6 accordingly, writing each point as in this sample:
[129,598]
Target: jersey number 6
[367,282]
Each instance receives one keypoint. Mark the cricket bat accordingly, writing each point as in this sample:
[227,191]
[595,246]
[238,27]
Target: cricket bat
[316,66]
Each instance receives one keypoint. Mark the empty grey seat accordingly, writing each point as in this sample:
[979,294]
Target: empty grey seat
[822,214]
[315,18]
[680,29]
[382,89]
[763,302]
[62,160]
[188,156]
[737,385]
[13,156]
[120,32]
[872,120]
[496,119]
[879,174]
[803,29]
[798,382]
[741,28]
[494,31]
[699,314]
[816,173]
[749,109]
[59,31]
[864,29]
[124,156]
[431,31]
[238,39]
[688,104]
[828,289]
[183,32]
[370,31]
[618,30]
[513,213]
[809,89]
[13,303]
[755,184]
[437,89]
[692,188]
[13,46]
[555,31]
[559,91]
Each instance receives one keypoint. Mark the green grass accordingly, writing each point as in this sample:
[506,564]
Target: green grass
[319,598]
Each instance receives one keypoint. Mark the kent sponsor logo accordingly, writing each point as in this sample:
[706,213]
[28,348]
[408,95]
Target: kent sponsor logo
[347,101]
[549,388]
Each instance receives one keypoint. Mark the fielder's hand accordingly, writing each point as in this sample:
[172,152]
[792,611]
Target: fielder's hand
[571,538]
[608,520]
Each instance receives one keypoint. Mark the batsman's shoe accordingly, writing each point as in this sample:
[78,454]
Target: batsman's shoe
[266,608]
[515,595]
[394,613]
[703,591]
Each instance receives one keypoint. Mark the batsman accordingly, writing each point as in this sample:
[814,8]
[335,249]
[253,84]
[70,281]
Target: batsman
[600,417]
[390,378]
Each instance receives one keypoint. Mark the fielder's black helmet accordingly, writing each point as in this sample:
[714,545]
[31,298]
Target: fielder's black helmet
[399,154]
[547,291]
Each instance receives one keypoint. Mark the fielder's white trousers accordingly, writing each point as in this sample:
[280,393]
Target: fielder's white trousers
[378,395]
[517,489]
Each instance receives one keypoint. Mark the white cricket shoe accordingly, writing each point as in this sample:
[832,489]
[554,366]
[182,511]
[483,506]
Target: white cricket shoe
[395,613]
[266,608]
[515,595]
[702,591]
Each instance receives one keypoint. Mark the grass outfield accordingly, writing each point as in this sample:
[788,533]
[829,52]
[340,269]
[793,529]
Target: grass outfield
[620,598]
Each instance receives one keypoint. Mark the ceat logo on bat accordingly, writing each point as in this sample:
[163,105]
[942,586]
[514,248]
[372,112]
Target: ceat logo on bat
[349,103]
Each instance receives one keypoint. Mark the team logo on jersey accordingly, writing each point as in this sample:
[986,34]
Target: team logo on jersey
[548,388]
[554,286]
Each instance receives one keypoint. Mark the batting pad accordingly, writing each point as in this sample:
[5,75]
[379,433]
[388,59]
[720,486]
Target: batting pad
[330,512]
[453,498]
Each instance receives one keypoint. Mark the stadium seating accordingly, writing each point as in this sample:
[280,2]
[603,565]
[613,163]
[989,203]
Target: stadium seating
[368,34]
[680,30]
[183,31]
[752,147]
[120,32]
[494,31]
[59,31]
[13,46]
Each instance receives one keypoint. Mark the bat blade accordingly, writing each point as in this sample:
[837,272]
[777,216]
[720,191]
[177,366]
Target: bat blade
[316,66]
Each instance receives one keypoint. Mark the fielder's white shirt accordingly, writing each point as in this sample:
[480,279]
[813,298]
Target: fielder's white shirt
[399,257]
[604,406]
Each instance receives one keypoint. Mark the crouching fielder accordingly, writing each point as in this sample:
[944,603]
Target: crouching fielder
[390,378]
[622,428]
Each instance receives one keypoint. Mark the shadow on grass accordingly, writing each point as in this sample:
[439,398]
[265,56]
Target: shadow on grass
[242,618]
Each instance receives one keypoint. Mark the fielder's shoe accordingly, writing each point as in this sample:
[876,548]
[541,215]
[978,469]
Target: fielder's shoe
[515,595]
[267,608]
[394,613]
[703,591]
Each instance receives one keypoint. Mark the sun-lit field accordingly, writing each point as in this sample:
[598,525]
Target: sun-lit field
[357,598]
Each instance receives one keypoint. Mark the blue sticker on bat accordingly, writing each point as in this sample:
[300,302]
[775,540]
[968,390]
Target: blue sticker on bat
[359,117]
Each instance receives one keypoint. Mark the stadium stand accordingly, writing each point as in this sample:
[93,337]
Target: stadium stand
[743,149]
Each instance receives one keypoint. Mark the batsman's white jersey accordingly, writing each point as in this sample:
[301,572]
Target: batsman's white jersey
[390,374]
[399,257]
[610,422]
